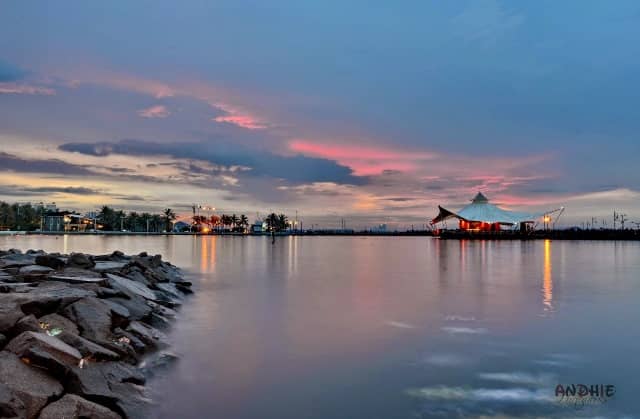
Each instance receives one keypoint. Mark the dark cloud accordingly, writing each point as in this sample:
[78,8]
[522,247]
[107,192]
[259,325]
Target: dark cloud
[12,163]
[9,72]
[295,169]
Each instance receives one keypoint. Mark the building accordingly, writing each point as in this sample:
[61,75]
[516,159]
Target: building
[65,221]
[483,216]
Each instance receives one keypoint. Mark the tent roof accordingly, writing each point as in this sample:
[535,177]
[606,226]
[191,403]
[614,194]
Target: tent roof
[481,210]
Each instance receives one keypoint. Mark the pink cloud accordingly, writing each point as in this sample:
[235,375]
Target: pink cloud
[243,121]
[157,111]
[25,89]
[363,160]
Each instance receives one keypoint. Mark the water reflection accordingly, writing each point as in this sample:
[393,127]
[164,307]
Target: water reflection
[547,281]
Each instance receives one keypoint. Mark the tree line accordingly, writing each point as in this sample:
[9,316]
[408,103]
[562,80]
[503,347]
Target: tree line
[112,220]
[20,216]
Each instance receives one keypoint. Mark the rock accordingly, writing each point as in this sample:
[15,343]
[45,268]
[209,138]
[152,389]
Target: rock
[109,266]
[130,287]
[159,321]
[10,312]
[170,289]
[34,271]
[93,317]
[138,309]
[48,297]
[134,274]
[88,348]
[53,262]
[157,363]
[6,288]
[10,404]
[26,324]
[81,260]
[3,340]
[78,279]
[45,351]
[56,321]
[147,334]
[167,299]
[101,382]
[75,407]
[132,340]
[104,292]
[132,401]
[162,310]
[79,272]
[31,385]
[17,260]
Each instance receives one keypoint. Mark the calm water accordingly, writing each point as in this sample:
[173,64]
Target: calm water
[330,327]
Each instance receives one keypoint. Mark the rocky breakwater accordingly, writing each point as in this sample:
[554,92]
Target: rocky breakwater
[80,334]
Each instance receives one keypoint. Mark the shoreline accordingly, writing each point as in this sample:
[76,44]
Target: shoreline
[80,334]
[580,235]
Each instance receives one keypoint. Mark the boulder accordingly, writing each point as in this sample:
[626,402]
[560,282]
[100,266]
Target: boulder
[75,407]
[34,271]
[17,261]
[45,351]
[130,287]
[93,317]
[79,272]
[56,321]
[51,261]
[132,400]
[88,348]
[137,307]
[6,288]
[157,362]
[100,382]
[147,334]
[78,279]
[49,297]
[170,289]
[26,324]
[10,404]
[10,312]
[109,266]
[32,386]
[80,260]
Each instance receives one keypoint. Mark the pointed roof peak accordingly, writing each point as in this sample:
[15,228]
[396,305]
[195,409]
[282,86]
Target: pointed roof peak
[480,199]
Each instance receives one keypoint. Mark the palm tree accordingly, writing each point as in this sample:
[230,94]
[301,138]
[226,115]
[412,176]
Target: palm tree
[169,218]
[282,222]
[106,216]
[226,220]
[244,222]
[132,221]
[234,220]
[156,222]
[145,217]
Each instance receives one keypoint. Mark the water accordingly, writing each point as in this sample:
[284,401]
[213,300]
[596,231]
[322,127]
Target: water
[395,327]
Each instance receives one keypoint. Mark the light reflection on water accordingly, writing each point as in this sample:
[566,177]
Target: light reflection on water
[371,327]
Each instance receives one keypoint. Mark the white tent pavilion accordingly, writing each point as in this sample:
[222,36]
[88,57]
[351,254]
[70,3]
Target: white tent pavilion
[481,214]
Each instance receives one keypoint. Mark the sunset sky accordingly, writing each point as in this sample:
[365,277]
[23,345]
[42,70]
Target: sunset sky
[375,111]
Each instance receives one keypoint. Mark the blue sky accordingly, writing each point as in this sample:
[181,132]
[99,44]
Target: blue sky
[373,110]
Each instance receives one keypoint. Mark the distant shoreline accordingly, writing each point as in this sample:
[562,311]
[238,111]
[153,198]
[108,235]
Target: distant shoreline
[445,235]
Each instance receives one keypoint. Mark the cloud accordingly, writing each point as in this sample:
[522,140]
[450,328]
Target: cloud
[297,168]
[364,160]
[244,121]
[9,162]
[25,89]
[9,72]
[156,111]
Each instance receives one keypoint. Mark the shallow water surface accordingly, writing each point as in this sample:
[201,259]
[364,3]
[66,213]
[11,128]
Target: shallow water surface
[392,327]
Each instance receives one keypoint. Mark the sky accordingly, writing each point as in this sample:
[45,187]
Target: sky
[372,111]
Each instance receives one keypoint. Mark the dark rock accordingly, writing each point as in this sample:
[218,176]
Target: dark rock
[120,315]
[108,383]
[79,272]
[26,324]
[157,362]
[132,400]
[34,272]
[93,317]
[109,266]
[17,261]
[184,288]
[31,385]
[45,351]
[162,310]
[56,321]
[88,348]
[167,299]
[147,334]
[6,288]
[53,262]
[130,287]
[10,312]
[159,321]
[3,340]
[170,289]
[104,292]
[75,407]
[132,340]
[138,309]
[78,279]
[10,404]
[81,260]
[48,297]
